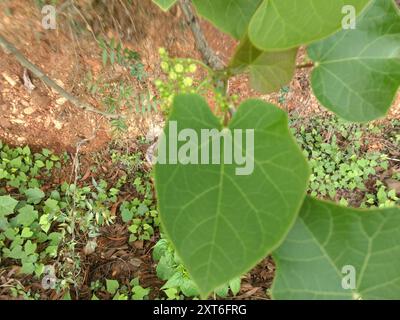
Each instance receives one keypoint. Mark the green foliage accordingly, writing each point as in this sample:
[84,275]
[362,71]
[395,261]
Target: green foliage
[360,84]
[37,227]
[91,206]
[21,232]
[325,239]
[341,169]
[384,198]
[141,217]
[118,291]
[22,170]
[43,224]
[140,213]
[219,198]
[23,213]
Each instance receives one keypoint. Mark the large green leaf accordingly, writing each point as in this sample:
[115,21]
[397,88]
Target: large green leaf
[279,25]
[220,223]
[325,239]
[269,71]
[358,71]
[165,4]
[231,16]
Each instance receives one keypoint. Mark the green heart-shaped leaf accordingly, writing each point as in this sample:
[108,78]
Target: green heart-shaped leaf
[280,25]
[358,71]
[328,242]
[230,16]
[165,4]
[221,223]
[269,71]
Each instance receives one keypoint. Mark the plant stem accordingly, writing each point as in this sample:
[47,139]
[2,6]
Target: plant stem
[208,54]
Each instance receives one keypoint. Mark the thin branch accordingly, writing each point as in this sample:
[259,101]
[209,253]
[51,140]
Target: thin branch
[208,54]
[10,48]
